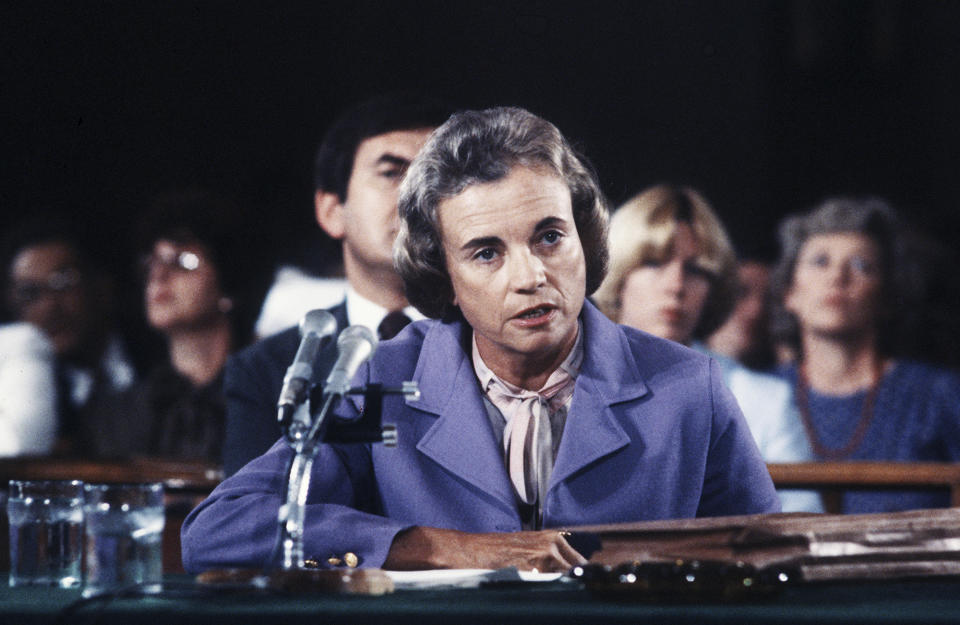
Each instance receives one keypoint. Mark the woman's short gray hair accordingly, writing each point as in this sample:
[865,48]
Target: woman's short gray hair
[476,147]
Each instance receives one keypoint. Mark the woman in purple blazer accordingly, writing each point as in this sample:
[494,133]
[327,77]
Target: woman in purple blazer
[536,412]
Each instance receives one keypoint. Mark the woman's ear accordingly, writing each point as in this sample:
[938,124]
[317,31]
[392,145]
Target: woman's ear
[329,213]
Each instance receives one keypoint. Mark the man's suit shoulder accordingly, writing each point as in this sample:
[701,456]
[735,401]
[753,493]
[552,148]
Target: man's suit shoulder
[276,350]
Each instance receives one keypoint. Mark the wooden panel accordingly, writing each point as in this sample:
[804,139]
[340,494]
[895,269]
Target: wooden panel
[832,477]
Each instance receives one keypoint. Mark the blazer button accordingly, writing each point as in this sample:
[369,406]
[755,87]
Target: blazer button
[351,559]
[334,561]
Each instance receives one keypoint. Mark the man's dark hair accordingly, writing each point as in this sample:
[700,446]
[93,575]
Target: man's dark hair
[375,116]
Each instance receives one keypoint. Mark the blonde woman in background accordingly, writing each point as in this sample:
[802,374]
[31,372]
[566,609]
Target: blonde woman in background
[673,274]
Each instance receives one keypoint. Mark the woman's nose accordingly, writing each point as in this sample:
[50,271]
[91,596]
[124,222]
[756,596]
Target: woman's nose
[528,271]
[672,276]
[158,271]
[839,272]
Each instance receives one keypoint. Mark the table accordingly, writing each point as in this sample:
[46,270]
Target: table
[914,601]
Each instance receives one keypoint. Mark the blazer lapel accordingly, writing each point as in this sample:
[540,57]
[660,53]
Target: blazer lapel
[461,439]
[609,376]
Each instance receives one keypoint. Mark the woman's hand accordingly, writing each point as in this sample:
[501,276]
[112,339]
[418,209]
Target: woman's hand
[434,548]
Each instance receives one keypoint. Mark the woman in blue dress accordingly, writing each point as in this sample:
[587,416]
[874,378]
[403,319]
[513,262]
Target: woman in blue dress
[840,288]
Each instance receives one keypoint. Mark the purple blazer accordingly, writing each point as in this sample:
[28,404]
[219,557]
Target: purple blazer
[652,433]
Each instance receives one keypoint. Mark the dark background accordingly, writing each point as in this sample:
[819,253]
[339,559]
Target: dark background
[765,106]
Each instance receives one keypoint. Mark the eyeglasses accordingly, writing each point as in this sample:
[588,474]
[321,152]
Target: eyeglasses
[180,261]
[28,292]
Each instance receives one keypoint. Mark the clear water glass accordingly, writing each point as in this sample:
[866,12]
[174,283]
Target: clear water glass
[46,532]
[124,537]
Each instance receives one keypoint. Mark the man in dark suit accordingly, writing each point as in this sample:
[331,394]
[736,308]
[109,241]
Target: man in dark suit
[358,168]
[58,278]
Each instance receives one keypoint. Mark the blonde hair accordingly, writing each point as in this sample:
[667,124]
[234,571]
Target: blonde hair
[643,231]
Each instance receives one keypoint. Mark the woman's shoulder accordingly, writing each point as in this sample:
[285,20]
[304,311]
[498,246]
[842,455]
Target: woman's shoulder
[653,353]
[761,396]
[431,339]
[926,378]
[766,387]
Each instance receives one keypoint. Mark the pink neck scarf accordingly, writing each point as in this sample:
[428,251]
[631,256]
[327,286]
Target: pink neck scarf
[528,436]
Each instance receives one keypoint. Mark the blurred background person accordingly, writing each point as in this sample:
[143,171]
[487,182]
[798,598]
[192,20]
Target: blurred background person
[842,288]
[58,280]
[200,293]
[673,274]
[28,407]
[745,335]
[357,170]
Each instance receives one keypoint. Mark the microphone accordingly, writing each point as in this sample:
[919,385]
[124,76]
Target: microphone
[316,328]
[356,345]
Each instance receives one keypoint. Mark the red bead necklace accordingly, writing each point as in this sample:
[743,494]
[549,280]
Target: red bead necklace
[866,416]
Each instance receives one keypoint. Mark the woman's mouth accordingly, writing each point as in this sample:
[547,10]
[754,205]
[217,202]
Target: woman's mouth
[671,315]
[535,316]
[533,312]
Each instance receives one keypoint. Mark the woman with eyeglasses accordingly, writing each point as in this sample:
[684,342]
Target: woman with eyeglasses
[194,282]
[841,290]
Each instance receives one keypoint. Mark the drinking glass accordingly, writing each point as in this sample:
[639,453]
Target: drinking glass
[46,532]
[124,532]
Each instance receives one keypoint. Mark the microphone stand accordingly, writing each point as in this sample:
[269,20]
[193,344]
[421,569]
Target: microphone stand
[367,428]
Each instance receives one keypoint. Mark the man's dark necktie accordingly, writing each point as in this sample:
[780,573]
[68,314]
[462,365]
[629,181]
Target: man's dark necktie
[392,324]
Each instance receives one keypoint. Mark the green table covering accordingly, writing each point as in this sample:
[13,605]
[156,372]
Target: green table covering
[182,601]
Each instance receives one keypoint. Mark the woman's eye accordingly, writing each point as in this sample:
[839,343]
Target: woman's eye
[551,236]
[819,260]
[694,270]
[486,254]
[862,265]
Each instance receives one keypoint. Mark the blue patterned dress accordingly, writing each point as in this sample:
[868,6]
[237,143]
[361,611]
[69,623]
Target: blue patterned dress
[916,417]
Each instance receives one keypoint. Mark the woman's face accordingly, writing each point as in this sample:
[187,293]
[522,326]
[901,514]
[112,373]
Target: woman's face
[182,288]
[517,267]
[836,284]
[667,298]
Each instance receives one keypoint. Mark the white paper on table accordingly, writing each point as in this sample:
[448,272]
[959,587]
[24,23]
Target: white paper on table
[464,578]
